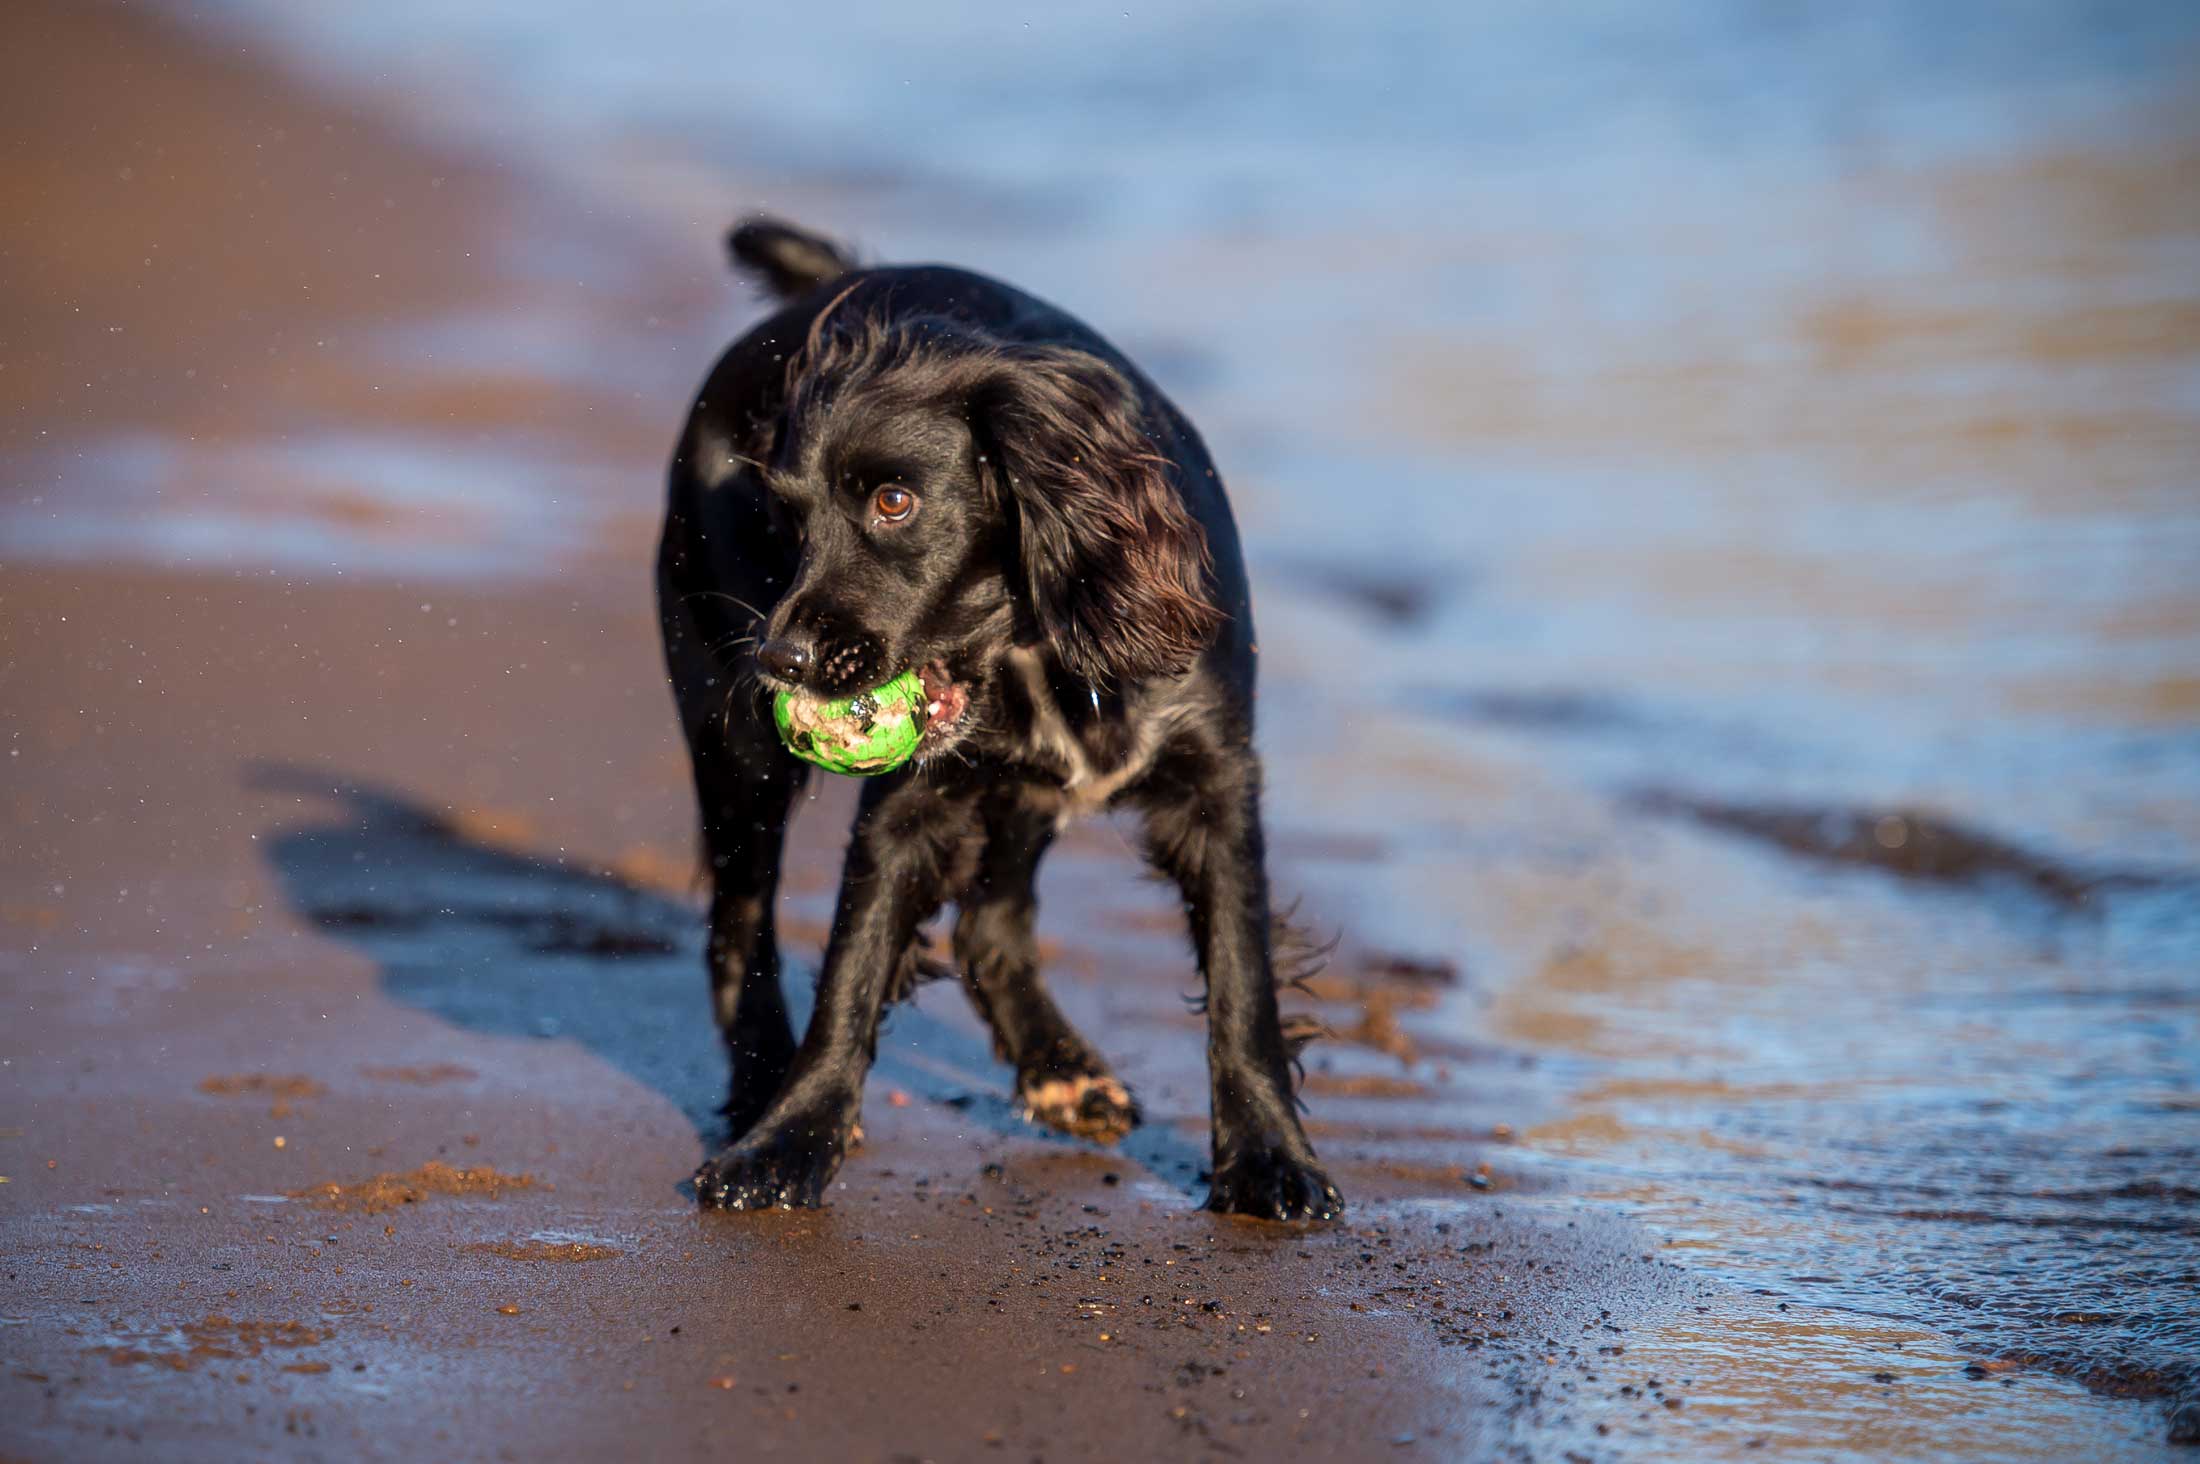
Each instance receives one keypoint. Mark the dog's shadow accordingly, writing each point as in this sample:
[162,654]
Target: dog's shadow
[519,945]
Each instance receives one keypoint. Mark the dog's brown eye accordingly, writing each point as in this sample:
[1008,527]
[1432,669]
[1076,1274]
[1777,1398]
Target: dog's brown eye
[894,504]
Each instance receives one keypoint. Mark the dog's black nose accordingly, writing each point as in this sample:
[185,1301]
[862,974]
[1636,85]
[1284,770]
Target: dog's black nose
[786,657]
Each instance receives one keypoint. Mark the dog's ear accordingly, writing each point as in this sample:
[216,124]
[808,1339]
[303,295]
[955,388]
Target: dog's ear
[1115,567]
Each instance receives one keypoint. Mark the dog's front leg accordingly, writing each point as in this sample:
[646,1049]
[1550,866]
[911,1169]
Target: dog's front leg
[1203,829]
[909,837]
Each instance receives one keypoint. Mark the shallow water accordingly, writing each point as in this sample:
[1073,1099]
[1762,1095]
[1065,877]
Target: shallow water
[1728,449]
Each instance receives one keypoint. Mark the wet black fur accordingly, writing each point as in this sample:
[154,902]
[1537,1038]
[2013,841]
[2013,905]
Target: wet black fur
[1073,561]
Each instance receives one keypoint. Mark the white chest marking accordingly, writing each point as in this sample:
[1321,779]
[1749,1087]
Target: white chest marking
[1089,788]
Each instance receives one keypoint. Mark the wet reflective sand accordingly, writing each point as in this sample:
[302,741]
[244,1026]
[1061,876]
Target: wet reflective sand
[1728,549]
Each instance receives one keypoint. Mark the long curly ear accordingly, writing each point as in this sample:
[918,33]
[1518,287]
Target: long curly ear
[1116,569]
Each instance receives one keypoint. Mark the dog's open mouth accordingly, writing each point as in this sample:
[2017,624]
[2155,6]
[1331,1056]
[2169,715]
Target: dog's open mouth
[945,701]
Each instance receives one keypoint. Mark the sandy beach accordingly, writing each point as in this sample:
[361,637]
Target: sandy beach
[1732,1052]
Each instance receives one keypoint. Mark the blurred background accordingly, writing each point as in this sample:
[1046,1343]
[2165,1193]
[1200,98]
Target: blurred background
[1723,485]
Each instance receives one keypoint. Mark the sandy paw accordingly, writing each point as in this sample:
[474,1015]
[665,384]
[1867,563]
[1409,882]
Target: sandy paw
[1093,1106]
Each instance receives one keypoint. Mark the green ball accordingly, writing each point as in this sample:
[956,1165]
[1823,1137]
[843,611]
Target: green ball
[872,732]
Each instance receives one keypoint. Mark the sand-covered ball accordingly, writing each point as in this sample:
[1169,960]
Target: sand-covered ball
[872,732]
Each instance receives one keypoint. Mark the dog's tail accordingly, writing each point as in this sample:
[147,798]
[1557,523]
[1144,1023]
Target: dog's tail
[784,259]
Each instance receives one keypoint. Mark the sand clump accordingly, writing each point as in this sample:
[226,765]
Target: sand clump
[221,1339]
[385,1192]
[261,1085]
[545,1250]
[421,1077]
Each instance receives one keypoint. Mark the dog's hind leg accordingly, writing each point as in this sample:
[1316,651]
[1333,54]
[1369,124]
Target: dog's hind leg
[1203,829]
[1060,1080]
[744,780]
[745,801]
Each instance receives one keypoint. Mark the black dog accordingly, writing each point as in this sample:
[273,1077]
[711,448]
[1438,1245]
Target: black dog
[918,467]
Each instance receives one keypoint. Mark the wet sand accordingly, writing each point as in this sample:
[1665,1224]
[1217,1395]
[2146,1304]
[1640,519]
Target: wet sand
[250,968]
[358,1046]
[247,311]
[349,845]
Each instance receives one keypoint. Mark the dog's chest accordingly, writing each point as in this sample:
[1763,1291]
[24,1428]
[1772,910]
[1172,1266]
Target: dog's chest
[1093,755]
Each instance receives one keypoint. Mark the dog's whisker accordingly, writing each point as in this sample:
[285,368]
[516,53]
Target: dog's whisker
[722,595]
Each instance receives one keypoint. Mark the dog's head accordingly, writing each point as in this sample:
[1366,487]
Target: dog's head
[953,494]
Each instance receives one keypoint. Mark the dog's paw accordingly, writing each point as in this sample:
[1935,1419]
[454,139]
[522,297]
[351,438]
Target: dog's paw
[772,1169]
[1271,1185]
[1093,1106]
